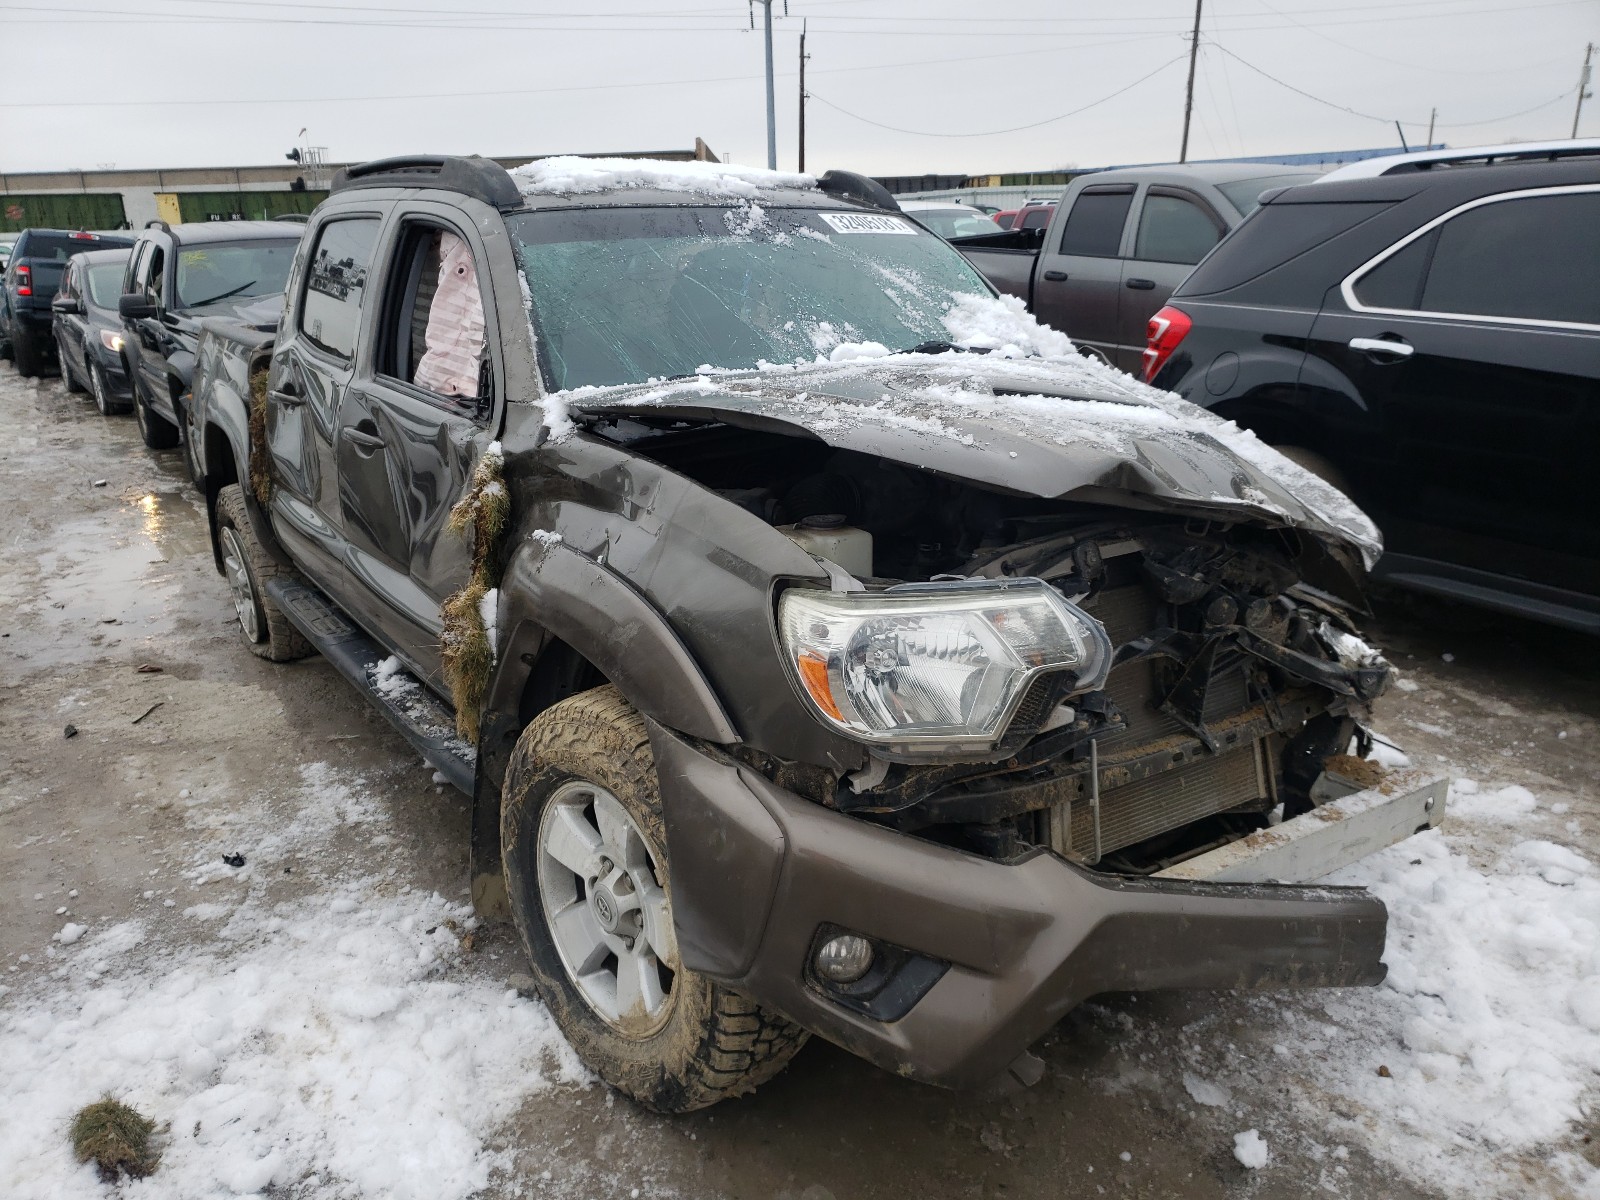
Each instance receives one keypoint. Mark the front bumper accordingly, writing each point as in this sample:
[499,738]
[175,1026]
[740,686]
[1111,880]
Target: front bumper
[757,870]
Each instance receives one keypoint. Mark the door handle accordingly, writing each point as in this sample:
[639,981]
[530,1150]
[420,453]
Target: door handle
[1386,346]
[1056,276]
[1141,285]
[288,395]
[363,435]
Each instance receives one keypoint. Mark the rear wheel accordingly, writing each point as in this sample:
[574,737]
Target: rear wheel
[248,568]
[25,349]
[582,839]
[158,433]
[65,359]
[191,460]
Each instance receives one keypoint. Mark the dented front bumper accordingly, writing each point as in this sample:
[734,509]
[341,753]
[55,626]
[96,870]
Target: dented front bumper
[998,952]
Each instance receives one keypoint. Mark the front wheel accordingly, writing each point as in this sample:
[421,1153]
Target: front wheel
[101,390]
[247,567]
[590,887]
[158,432]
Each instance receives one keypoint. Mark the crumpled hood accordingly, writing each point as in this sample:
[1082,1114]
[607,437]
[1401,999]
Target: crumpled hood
[1052,428]
[258,312]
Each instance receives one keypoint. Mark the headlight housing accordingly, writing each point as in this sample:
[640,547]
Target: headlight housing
[931,668]
[111,340]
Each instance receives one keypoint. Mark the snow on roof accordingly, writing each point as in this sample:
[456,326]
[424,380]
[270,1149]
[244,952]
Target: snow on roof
[570,175]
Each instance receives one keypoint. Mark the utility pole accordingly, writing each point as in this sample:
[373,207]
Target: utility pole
[1433,115]
[1583,83]
[802,97]
[1188,96]
[772,105]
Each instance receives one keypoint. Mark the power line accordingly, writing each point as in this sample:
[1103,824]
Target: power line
[1014,128]
[1383,120]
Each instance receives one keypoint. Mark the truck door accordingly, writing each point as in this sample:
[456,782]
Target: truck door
[312,367]
[412,429]
[1077,286]
[1175,228]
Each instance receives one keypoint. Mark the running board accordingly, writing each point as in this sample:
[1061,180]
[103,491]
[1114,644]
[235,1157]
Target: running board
[422,719]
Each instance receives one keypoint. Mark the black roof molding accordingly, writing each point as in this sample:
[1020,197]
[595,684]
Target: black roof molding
[481,178]
[847,185]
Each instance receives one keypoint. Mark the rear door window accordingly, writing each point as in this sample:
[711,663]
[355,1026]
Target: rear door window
[1094,226]
[1531,257]
[1536,258]
[1175,229]
[336,281]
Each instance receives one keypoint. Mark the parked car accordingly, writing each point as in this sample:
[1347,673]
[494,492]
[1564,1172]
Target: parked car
[178,276]
[38,258]
[1429,340]
[947,218]
[5,252]
[903,694]
[1117,244]
[88,328]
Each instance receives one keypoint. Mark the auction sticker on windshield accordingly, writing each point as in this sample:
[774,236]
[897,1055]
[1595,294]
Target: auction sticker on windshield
[866,223]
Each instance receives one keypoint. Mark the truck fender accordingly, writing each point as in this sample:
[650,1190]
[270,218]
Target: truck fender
[551,590]
[226,440]
[551,593]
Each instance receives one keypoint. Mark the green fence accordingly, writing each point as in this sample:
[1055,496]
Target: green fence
[245,206]
[95,210]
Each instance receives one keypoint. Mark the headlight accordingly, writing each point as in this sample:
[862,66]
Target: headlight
[938,666]
[111,341]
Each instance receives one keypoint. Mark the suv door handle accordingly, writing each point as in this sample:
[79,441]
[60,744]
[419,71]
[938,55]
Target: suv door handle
[1395,347]
[1055,276]
[1141,285]
[288,396]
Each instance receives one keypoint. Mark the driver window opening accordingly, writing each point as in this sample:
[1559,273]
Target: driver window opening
[434,321]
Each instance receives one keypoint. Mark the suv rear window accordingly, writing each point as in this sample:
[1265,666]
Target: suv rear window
[1270,237]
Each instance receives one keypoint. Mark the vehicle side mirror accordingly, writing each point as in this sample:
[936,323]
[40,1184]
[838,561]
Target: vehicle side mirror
[134,305]
[66,304]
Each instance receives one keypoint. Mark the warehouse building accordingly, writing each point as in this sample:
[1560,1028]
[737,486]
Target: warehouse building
[115,199]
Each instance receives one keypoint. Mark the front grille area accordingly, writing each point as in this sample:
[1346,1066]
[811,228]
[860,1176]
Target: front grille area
[1140,810]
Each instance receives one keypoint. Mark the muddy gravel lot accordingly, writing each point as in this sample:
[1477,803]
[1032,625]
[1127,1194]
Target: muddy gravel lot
[233,898]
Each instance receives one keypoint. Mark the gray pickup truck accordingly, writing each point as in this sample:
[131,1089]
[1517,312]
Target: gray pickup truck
[1117,245]
[825,647]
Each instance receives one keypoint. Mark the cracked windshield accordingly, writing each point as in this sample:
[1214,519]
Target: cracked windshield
[734,287]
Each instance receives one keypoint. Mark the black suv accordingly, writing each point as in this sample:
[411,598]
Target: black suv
[179,276]
[31,278]
[1427,339]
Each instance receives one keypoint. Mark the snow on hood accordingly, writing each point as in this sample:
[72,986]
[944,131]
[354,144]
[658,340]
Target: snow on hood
[1046,426]
[569,175]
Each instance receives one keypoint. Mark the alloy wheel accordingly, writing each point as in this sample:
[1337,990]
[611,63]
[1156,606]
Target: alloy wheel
[240,584]
[608,915]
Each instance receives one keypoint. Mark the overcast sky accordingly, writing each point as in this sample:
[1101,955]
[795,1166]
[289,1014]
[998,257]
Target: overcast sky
[167,83]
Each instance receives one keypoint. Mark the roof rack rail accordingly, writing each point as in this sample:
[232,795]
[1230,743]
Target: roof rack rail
[292,218]
[158,223]
[481,178]
[847,185]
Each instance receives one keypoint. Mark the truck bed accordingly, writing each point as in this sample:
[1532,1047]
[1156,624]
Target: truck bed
[1004,259]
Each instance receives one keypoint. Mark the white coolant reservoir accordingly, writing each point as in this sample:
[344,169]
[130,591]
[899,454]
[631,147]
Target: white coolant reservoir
[829,537]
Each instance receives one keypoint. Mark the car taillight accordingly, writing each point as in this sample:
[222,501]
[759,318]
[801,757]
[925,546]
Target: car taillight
[24,280]
[1166,329]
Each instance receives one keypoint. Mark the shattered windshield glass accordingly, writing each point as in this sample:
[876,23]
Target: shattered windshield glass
[625,295]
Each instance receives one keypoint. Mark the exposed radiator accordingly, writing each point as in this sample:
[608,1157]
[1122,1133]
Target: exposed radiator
[1136,811]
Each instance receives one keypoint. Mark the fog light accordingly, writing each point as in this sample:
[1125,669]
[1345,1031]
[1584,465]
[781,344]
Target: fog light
[844,959]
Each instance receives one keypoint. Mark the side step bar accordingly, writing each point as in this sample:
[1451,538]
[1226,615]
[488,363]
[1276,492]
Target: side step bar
[422,719]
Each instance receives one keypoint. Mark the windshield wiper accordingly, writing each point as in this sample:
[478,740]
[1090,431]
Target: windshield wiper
[943,348]
[224,296]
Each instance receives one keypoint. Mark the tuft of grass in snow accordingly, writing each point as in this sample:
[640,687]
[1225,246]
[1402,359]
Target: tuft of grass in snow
[115,1138]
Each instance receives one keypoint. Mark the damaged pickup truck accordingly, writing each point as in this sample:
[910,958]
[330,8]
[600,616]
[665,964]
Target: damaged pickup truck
[825,646]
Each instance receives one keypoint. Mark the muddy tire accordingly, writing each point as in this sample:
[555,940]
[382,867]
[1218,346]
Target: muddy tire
[67,377]
[247,567]
[1317,465]
[102,390]
[581,785]
[25,350]
[191,460]
[158,432]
